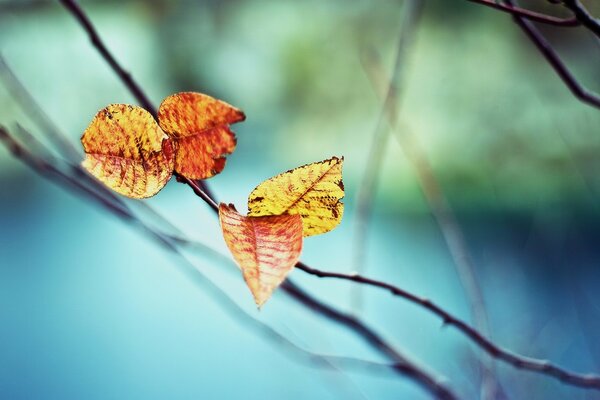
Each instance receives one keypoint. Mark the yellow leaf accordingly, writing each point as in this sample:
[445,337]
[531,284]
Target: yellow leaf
[127,151]
[265,248]
[313,191]
[200,126]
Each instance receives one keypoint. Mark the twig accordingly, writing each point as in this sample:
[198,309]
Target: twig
[24,98]
[583,16]
[97,42]
[531,15]
[198,191]
[406,367]
[124,76]
[495,351]
[579,91]
[64,147]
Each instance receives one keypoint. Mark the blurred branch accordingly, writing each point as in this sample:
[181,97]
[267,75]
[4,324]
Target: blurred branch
[583,16]
[64,147]
[27,102]
[530,15]
[401,364]
[437,201]
[408,368]
[368,185]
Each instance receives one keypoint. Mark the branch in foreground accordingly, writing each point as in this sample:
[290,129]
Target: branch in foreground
[531,15]
[401,365]
[73,7]
[583,16]
[495,351]
[427,381]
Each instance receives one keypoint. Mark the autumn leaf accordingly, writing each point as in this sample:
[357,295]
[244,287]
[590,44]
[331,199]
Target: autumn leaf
[199,124]
[313,191]
[127,150]
[265,248]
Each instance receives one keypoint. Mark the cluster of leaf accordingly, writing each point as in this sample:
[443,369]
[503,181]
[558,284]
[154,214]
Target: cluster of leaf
[133,154]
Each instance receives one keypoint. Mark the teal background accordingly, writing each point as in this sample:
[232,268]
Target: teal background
[92,309]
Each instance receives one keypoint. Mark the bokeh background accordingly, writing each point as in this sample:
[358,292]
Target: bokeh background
[90,308]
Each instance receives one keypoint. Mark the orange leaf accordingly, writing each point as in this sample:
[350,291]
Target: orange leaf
[314,191]
[127,151]
[200,126]
[265,248]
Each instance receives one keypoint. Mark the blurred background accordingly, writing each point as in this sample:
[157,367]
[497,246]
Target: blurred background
[90,308]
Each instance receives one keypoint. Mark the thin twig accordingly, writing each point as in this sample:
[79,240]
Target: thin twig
[97,42]
[64,147]
[522,362]
[409,368]
[583,16]
[125,77]
[579,91]
[531,15]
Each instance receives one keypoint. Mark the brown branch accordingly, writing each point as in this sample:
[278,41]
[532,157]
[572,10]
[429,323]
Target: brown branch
[583,16]
[530,15]
[125,77]
[97,42]
[495,351]
[434,386]
[578,90]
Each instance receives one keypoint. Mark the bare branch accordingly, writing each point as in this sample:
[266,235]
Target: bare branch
[550,54]
[531,15]
[409,368]
[440,209]
[495,351]
[125,77]
[97,42]
[583,16]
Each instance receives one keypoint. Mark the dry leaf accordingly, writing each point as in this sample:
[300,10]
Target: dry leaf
[200,126]
[313,191]
[127,150]
[265,248]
